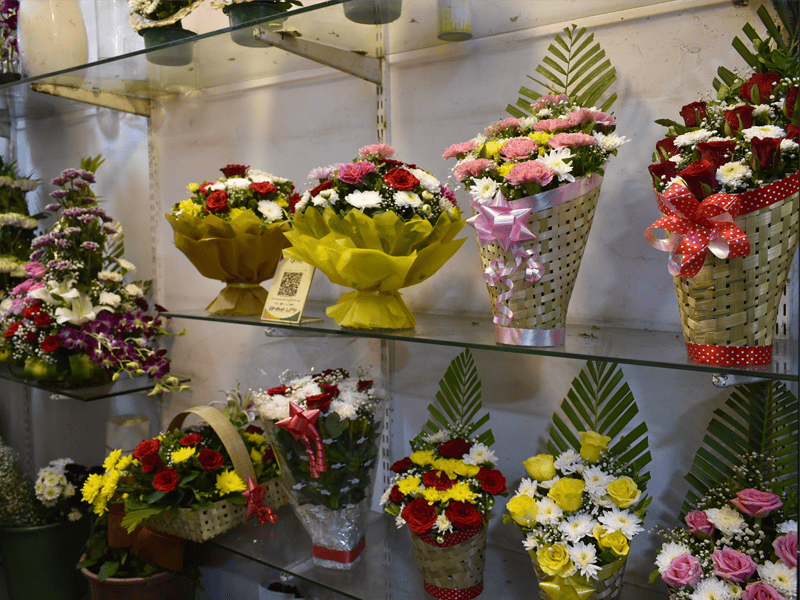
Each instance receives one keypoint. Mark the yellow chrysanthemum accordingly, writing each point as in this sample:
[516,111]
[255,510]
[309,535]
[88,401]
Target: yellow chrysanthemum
[193,187]
[91,487]
[256,456]
[409,485]
[492,148]
[505,168]
[422,458]
[454,467]
[189,207]
[178,456]
[432,495]
[100,506]
[540,137]
[229,482]
[460,492]
[256,438]
[110,482]
[124,462]
[111,460]
[282,202]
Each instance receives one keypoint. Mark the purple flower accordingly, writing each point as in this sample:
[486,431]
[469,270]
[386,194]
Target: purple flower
[70,173]
[90,245]
[80,183]
[321,173]
[52,207]
[59,194]
[60,180]
[86,218]
[447,193]
[86,175]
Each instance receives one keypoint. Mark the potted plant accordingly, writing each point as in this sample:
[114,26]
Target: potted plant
[159,23]
[268,13]
[18,225]
[373,12]
[42,529]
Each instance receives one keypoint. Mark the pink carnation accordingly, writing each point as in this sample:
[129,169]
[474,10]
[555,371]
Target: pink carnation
[24,287]
[35,269]
[552,124]
[530,171]
[550,100]
[354,172]
[456,149]
[505,124]
[473,168]
[587,115]
[786,548]
[571,140]
[519,148]
[376,150]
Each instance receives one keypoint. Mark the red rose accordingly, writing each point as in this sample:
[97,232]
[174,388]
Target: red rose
[29,311]
[662,172]
[217,202]
[190,440]
[666,148]
[463,515]
[330,389]
[364,384]
[738,118]
[321,402]
[263,189]
[693,113]
[758,88]
[402,465]
[420,516]
[31,337]
[278,390]
[396,496]
[269,456]
[235,170]
[151,463]
[12,329]
[793,132]
[42,319]
[455,448]
[166,480]
[146,447]
[293,200]
[790,104]
[254,429]
[210,459]
[438,480]
[717,153]
[400,179]
[50,343]
[327,184]
[766,154]
[204,188]
[698,173]
[492,481]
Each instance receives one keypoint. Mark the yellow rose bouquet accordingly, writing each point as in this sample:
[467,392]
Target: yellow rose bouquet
[584,501]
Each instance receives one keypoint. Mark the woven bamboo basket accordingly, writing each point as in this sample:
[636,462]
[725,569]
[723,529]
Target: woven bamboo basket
[453,570]
[608,588]
[205,523]
[729,309]
[561,222]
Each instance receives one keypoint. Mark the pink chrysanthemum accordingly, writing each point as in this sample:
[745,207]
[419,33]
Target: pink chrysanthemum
[462,148]
[550,100]
[519,148]
[384,150]
[552,124]
[354,172]
[531,171]
[587,115]
[473,168]
[571,140]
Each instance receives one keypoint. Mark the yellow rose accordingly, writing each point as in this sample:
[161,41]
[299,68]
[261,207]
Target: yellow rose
[541,467]
[193,187]
[592,445]
[616,542]
[623,492]
[555,561]
[567,493]
[523,509]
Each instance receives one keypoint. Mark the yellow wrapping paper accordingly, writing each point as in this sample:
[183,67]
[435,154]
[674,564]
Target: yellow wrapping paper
[239,253]
[576,587]
[376,256]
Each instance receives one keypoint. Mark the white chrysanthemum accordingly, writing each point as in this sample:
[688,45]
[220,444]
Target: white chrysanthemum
[426,180]
[271,210]
[134,290]
[733,174]
[237,183]
[530,543]
[549,512]
[74,515]
[566,461]
[385,496]
[330,196]
[109,276]
[609,142]
[692,138]
[274,408]
[303,202]
[577,526]
[788,145]
[69,490]
[446,205]
[48,477]
[788,526]
[763,131]
[622,520]
[763,110]
[259,176]
[399,520]
[345,410]
[438,437]
[126,264]
[443,524]
[712,589]
[596,481]
[549,483]
[669,551]
[783,578]
[483,189]
[528,487]
[405,198]
[585,558]
[217,186]
[726,519]
[364,199]
[555,159]
[50,494]
[109,299]
[480,454]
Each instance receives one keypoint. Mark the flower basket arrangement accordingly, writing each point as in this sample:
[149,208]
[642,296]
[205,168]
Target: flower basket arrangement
[17,225]
[585,499]
[324,428]
[445,490]
[376,225]
[726,184]
[9,51]
[534,181]
[75,321]
[159,22]
[270,14]
[232,229]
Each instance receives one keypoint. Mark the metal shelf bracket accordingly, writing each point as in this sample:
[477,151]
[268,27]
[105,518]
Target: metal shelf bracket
[128,104]
[724,380]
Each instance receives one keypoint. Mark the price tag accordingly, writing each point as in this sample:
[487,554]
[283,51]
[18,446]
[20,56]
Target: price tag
[289,292]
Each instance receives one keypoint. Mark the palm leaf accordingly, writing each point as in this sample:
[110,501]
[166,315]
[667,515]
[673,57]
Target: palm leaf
[574,66]
[459,401]
[759,418]
[601,401]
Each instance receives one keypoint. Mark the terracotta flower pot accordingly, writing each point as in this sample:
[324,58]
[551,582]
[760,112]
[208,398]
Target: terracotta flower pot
[162,586]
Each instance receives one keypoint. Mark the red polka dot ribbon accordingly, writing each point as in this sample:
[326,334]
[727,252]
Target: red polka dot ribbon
[729,356]
[447,594]
[459,536]
[340,556]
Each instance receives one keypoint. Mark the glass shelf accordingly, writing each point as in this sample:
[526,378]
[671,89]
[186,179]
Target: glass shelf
[387,568]
[123,385]
[664,349]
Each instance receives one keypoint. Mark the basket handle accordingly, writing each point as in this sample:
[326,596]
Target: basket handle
[227,433]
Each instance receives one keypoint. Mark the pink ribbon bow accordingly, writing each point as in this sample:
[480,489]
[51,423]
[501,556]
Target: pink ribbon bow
[301,425]
[697,227]
[500,222]
[501,272]
[255,503]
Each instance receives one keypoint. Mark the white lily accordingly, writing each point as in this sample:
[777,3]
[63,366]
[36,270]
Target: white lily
[81,312]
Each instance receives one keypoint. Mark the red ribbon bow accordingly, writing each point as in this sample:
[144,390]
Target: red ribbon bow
[255,503]
[301,425]
[697,227]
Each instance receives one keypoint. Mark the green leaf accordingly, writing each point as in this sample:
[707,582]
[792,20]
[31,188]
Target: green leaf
[108,569]
[334,425]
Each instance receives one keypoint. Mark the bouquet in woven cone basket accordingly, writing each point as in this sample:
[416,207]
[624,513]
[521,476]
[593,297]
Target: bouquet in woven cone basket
[534,180]
[376,225]
[324,428]
[726,185]
[738,537]
[445,490]
[585,498]
[232,229]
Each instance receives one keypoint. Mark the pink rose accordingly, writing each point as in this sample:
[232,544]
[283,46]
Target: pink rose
[519,148]
[733,566]
[571,140]
[697,522]
[530,171]
[552,124]
[354,172]
[761,591]
[683,571]
[786,548]
[756,503]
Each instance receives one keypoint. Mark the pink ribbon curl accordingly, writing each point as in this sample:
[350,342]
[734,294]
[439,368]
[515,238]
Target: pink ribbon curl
[255,503]
[301,425]
[501,272]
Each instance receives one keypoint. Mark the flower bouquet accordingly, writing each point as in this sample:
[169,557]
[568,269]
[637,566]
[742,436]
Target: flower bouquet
[159,22]
[75,321]
[16,225]
[376,225]
[445,490]
[9,51]
[534,181]
[582,505]
[232,229]
[325,429]
[726,181]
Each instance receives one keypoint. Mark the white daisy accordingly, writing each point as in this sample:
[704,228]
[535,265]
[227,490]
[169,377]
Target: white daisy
[577,526]
[443,524]
[405,198]
[555,160]
[733,174]
[621,519]
[480,454]
[692,138]
[669,552]
[528,487]
[271,210]
[726,519]
[567,461]
[788,145]
[365,199]
[530,543]
[712,589]
[585,558]
[781,577]
[609,142]
[596,481]
[763,131]
[438,437]
[483,189]
[549,513]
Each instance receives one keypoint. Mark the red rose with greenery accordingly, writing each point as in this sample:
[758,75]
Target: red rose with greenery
[766,154]
[701,178]
[191,439]
[455,448]
[718,153]
[738,118]
[492,481]
[693,113]
[400,179]
[463,515]
[50,343]
[401,465]
[759,87]
[419,515]
[217,202]
[210,459]
[151,463]
[263,189]
[235,170]
[166,480]
[396,496]
[12,329]
[146,447]
[42,319]
[320,402]
[438,480]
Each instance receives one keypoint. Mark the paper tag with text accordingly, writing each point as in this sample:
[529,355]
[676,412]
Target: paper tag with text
[289,291]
